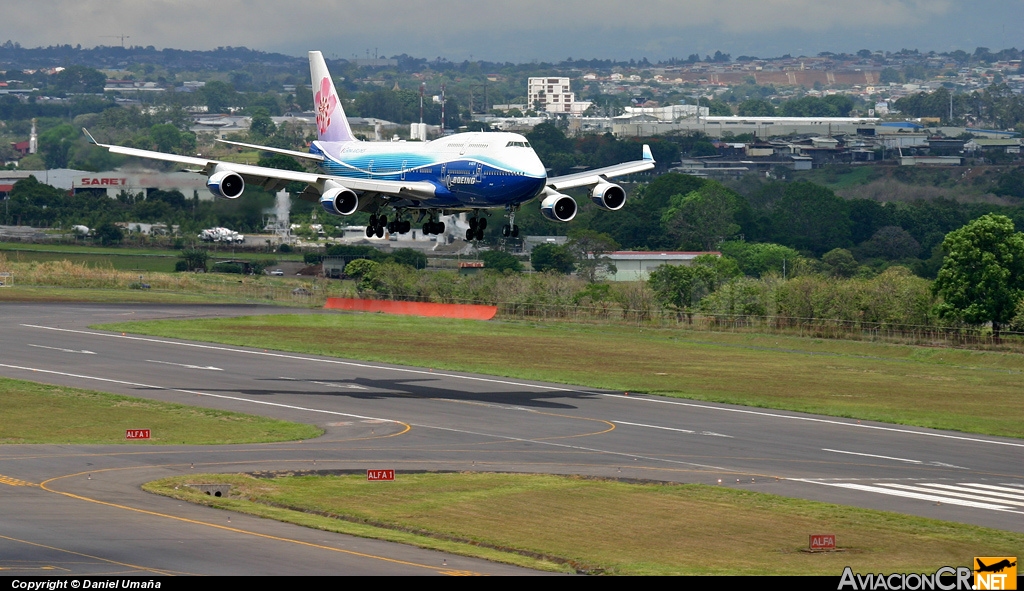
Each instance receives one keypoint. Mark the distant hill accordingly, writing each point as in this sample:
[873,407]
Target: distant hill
[15,57]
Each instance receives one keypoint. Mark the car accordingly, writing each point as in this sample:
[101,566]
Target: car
[277,273]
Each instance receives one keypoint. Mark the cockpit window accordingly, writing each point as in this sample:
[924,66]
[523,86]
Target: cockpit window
[517,145]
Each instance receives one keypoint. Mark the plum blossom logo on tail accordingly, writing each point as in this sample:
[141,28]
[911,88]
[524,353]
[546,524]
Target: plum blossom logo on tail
[325,104]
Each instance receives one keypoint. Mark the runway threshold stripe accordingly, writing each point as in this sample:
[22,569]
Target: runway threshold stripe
[935,498]
[538,386]
[945,491]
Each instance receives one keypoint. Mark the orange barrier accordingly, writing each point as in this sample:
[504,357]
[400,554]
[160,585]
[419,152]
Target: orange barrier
[465,311]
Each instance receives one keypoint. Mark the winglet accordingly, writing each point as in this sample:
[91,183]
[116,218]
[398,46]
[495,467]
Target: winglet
[647,153]
[92,140]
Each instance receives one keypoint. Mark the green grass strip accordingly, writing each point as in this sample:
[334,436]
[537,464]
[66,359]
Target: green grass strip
[960,390]
[42,413]
[602,526]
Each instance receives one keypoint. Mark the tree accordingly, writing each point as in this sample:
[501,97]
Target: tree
[702,218]
[108,234]
[552,257]
[982,278]
[589,248]
[194,259]
[840,262]
[501,262]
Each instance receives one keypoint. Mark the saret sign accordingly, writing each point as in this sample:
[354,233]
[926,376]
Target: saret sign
[380,474]
[103,182]
[136,434]
[823,542]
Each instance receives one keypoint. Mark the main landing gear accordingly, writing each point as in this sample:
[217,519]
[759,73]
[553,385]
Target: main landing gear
[376,226]
[477,225]
[431,226]
[378,223]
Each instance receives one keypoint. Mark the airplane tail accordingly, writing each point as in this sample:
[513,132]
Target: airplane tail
[331,123]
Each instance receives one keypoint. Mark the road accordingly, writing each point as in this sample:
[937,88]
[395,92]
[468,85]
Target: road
[80,508]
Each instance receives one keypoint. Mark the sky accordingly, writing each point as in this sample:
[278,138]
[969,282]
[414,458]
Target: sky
[521,30]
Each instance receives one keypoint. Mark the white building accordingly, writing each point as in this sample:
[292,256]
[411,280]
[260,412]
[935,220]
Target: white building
[637,266]
[553,95]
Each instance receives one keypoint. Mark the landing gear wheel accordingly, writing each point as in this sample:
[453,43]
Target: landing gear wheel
[482,225]
[473,223]
[469,234]
[440,227]
[373,220]
[379,231]
[369,231]
[506,231]
[480,233]
[515,231]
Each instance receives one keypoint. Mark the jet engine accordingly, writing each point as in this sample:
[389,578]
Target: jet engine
[339,201]
[608,196]
[558,207]
[225,184]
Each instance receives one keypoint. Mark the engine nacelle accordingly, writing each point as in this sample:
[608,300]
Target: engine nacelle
[339,201]
[608,196]
[558,208]
[226,184]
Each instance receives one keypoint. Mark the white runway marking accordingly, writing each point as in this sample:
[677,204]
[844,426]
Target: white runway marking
[236,398]
[708,433]
[332,385]
[83,351]
[936,464]
[853,453]
[209,367]
[538,386]
[964,495]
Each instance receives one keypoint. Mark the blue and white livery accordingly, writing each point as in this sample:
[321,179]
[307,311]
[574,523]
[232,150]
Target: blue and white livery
[462,172]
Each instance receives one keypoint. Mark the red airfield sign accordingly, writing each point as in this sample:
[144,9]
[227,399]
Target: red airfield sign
[823,542]
[380,475]
[136,434]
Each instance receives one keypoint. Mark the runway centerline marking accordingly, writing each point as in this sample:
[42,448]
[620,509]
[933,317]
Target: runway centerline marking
[197,393]
[853,453]
[634,399]
[691,432]
[209,367]
[83,351]
[920,462]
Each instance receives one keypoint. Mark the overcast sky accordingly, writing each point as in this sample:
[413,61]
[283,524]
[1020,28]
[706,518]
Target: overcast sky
[522,30]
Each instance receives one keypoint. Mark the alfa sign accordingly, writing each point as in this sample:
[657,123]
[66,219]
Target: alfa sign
[823,542]
[380,474]
[136,434]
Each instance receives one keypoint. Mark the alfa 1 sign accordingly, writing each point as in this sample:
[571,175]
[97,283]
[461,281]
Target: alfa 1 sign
[380,475]
[136,434]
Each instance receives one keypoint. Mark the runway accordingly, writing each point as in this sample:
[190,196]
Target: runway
[79,508]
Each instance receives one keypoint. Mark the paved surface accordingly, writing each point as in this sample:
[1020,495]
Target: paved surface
[79,508]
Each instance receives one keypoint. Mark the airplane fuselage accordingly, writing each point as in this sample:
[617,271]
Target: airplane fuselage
[469,170]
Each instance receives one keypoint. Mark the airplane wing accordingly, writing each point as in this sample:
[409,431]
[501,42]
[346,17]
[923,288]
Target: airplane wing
[273,179]
[601,175]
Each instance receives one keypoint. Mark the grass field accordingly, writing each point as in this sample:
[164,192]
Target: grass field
[599,526]
[41,413]
[149,260]
[961,390]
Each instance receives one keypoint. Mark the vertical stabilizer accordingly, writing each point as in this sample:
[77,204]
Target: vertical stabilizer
[331,123]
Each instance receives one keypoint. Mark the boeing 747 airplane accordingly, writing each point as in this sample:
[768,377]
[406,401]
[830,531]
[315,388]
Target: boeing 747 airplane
[470,172]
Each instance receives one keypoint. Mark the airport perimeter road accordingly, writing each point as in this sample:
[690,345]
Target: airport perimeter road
[86,499]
